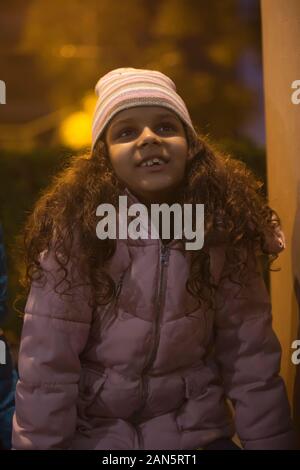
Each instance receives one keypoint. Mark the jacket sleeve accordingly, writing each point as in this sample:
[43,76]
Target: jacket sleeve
[54,333]
[249,354]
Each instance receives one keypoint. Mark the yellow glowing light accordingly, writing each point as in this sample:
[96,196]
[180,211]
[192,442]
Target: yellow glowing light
[89,103]
[67,51]
[75,130]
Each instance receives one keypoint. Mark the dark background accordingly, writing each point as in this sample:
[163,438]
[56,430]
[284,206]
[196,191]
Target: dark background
[52,53]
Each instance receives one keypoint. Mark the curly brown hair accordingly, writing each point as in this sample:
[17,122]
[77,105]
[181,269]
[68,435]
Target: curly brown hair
[64,219]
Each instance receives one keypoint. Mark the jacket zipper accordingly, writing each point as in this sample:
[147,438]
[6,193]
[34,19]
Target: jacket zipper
[164,260]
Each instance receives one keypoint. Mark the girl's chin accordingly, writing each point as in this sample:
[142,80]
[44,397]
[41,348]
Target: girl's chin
[156,195]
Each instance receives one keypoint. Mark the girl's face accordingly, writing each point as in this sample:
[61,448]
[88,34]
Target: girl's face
[136,136]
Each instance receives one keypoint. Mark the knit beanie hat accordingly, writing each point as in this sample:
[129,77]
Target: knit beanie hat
[125,88]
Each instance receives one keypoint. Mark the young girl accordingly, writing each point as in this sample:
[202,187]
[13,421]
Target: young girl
[138,343]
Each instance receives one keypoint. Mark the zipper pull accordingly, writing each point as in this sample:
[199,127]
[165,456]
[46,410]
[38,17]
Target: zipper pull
[164,256]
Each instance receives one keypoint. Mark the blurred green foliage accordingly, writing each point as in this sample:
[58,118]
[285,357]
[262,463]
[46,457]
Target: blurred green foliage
[23,176]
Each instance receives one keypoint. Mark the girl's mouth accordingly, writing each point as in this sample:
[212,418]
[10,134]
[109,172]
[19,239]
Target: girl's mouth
[154,164]
[154,168]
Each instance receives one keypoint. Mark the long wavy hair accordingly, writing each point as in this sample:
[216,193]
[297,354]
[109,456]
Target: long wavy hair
[64,219]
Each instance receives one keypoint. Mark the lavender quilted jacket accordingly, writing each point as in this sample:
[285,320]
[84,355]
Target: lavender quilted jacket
[151,370]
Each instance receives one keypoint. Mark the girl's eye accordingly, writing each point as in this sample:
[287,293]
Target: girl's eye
[125,132]
[128,131]
[167,126]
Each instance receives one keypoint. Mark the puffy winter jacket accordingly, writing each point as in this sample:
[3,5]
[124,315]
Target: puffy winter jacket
[151,370]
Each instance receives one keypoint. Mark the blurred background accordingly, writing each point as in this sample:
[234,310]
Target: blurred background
[52,53]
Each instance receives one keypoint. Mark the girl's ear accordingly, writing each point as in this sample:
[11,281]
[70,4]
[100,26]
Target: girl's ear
[194,148]
[190,153]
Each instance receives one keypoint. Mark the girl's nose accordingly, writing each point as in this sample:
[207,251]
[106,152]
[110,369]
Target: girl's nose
[147,137]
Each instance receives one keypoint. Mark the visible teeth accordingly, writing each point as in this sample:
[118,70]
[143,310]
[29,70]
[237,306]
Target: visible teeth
[159,161]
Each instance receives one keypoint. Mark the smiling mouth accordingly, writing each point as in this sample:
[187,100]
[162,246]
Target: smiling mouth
[156,161]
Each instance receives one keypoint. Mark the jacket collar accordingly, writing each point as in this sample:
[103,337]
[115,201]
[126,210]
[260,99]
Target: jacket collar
[173,244]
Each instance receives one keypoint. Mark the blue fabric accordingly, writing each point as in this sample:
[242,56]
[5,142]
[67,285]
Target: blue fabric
[8,374]
[8,380]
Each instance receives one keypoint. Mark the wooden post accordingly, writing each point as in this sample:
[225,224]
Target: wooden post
[281,61]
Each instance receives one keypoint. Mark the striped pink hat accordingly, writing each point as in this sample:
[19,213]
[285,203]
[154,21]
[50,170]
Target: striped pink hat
[125,88]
